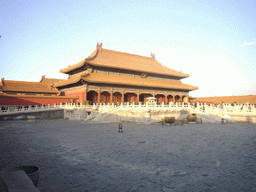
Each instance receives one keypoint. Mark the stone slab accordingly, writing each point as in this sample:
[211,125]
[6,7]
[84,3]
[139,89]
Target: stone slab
[77,156]
[17,181]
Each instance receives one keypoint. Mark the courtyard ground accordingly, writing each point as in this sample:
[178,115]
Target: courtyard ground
[75,156]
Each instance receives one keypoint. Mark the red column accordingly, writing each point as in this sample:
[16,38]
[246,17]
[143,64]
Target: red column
[173,98]
[138,97]
[181,98]
[122,97]
[154,95]
[111,97]
[166,99]
[98,97]
[85,95]
[81,97]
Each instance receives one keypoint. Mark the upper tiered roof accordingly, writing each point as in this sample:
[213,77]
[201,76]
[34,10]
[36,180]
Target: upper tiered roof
[126,61]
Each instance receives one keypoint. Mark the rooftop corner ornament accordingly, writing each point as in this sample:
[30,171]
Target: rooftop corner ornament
[99,46]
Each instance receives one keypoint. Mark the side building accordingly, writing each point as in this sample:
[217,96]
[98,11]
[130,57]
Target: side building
[31,93]
[108,76]
[241,99]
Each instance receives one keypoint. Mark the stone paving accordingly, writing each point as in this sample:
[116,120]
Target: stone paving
[75,156]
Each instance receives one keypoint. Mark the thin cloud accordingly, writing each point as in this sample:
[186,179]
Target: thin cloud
[248,44]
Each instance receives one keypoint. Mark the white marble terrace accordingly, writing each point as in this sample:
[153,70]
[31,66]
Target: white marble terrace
[96,112]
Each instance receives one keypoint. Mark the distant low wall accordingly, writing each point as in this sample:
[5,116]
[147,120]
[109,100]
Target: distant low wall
[6,99]
[51,114]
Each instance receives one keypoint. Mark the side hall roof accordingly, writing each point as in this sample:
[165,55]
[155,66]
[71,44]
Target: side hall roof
[50,81]
[26,87]
[241,99]
[123,80]
[126,61]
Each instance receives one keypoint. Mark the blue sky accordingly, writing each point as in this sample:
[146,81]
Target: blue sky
[213,41]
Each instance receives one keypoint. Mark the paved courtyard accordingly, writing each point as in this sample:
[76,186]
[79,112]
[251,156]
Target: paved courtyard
[74,156]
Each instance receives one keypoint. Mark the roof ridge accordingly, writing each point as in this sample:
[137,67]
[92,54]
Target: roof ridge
[99,48]
[21,81]
[128,53]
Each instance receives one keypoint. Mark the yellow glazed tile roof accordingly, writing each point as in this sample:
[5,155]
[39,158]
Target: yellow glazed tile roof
[242,99]
[26,87]
[119,60]
[123,80]
[50,81]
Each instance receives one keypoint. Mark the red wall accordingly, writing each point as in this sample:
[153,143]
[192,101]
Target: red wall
[35,100]
[79,94]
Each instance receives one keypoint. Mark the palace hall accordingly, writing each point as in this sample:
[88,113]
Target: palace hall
[108,76]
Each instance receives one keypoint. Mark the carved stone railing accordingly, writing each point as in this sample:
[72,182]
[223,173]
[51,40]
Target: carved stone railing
[237,109]
[5,110]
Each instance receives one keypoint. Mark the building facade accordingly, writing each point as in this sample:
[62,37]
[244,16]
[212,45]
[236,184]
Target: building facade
[108,76]
[31,93]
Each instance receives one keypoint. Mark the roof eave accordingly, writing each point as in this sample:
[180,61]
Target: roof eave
[62,84]
[189,89]
[69,69]
[180,76]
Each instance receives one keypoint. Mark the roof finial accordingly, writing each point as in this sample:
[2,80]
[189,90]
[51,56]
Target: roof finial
[153,56]
[43,77]
[99,46]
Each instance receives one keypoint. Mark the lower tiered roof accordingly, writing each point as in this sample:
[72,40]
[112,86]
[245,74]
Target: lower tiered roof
[123,80]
